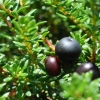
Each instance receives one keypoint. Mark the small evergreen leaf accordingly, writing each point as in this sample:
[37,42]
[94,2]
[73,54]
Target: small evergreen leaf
[2,85]
[61,15]
[4,96]
[9,78]
[19,44]
[28,93]
[31,12]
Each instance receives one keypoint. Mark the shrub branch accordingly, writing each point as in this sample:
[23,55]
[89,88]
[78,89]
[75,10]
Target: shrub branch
[51,46]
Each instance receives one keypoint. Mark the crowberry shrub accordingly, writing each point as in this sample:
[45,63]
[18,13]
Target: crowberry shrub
[39,38]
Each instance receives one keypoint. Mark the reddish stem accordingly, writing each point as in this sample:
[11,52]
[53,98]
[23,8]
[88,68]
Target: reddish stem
[49,44]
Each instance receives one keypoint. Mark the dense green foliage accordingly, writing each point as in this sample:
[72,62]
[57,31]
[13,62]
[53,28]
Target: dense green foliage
[28,30]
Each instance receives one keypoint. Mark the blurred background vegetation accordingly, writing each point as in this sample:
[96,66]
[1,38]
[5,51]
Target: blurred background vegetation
[58,26]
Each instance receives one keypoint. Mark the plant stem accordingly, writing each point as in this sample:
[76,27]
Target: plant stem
[25,38]
[7,10]
[78,23]
[94,39]
[49,44]
[72,18]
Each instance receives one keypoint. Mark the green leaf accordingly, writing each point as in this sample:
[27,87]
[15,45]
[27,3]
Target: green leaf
[2,12]
[19,44]
[31,12]
[6,1]
[5,36]
[15,14]
[16,5]
[32,29]
[17,25]
[25,65]
[30,24]
[61,15]
[41,23]
[2,56]
[9,78]
[2,85]
[36,71]
[22,9]
[48,2]
[9,4]
[28,93]
[4,96]
[20,74]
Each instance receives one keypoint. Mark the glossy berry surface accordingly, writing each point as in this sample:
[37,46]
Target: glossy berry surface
[88,66]
[52,65]
[68,49]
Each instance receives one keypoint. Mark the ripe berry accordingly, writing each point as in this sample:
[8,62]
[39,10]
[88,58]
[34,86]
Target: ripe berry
[52,65]
[88,66]
[68,49]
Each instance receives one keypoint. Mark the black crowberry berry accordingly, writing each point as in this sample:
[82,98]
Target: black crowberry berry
[88,66]
[68,49]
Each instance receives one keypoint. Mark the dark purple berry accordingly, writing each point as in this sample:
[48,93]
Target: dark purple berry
[52,65]
[88,66]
